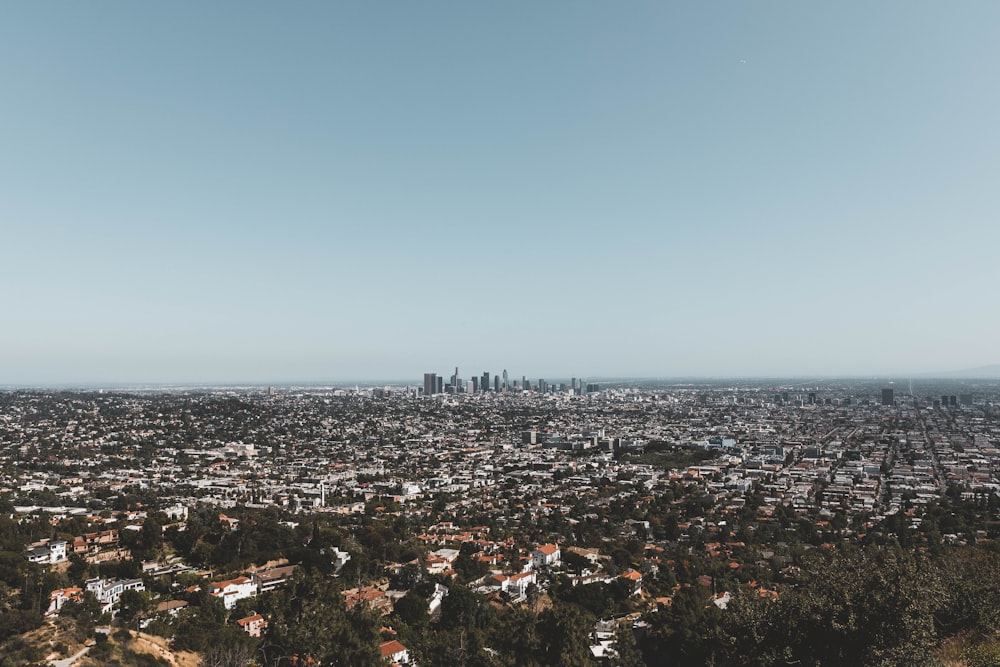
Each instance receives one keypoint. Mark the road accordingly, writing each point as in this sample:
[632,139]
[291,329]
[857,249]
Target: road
[68,662]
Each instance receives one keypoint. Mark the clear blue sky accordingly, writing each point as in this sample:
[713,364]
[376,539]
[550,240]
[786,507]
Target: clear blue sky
[244,191]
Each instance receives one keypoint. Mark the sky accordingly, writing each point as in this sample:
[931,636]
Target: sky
[321,191]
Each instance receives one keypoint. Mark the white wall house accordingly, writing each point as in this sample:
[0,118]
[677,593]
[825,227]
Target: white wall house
[234,590]
[546,555]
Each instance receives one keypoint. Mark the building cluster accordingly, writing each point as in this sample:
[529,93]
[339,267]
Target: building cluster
[480,384]
[513,481]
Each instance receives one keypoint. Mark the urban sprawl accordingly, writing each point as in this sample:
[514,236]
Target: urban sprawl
[599,507]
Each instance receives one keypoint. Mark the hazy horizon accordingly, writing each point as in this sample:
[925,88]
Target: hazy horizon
[985,373]
[247,190]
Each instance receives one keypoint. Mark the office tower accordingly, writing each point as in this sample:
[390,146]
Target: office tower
[965,399]
[812,399]
[784,397]
[438,384]
[953,401]
[887,396]
[475,384]
[485,382]
[496,383]
[430,383]
[542,386]
[506,384]
[524,382]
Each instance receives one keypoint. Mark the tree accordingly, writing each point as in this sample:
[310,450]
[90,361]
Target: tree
[412,610]
[308,619]
[564,630]
[150,538]
[231,648]
[626,649]
[132,604]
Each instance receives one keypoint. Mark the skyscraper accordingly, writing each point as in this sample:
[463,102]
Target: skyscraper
[506,384]
[485,383]
[430,383]
[887,396]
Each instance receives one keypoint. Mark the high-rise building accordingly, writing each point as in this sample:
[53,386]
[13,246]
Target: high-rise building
[430,383]
[506,384]
[887,396]
[475,384]
[485,382]
[438,384]
[496,383]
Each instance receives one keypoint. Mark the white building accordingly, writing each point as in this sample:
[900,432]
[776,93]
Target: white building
[546,555]
[109,591]
[234,590]
[47,552]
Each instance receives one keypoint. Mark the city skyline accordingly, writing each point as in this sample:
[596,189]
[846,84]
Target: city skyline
[325,192]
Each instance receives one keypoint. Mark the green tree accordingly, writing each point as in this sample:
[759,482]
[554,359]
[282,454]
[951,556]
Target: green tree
[308,619]
[564,631]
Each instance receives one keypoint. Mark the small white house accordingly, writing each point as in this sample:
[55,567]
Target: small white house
[234,590]
[546,556]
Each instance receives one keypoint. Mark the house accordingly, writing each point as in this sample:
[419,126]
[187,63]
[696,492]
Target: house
[440,561]
[500,582]
[228,521]
[47,552]
[109,591]
[394,652]
[176,513]
[252,625]
[518,584]
[634,578]
[234,590]
[367,597]
[545,556]
[340,559]
[440,593]
[170,607]
[61,596]
[272,578]
[592,555]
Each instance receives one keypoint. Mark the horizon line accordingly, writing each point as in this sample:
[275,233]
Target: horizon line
[397,381]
